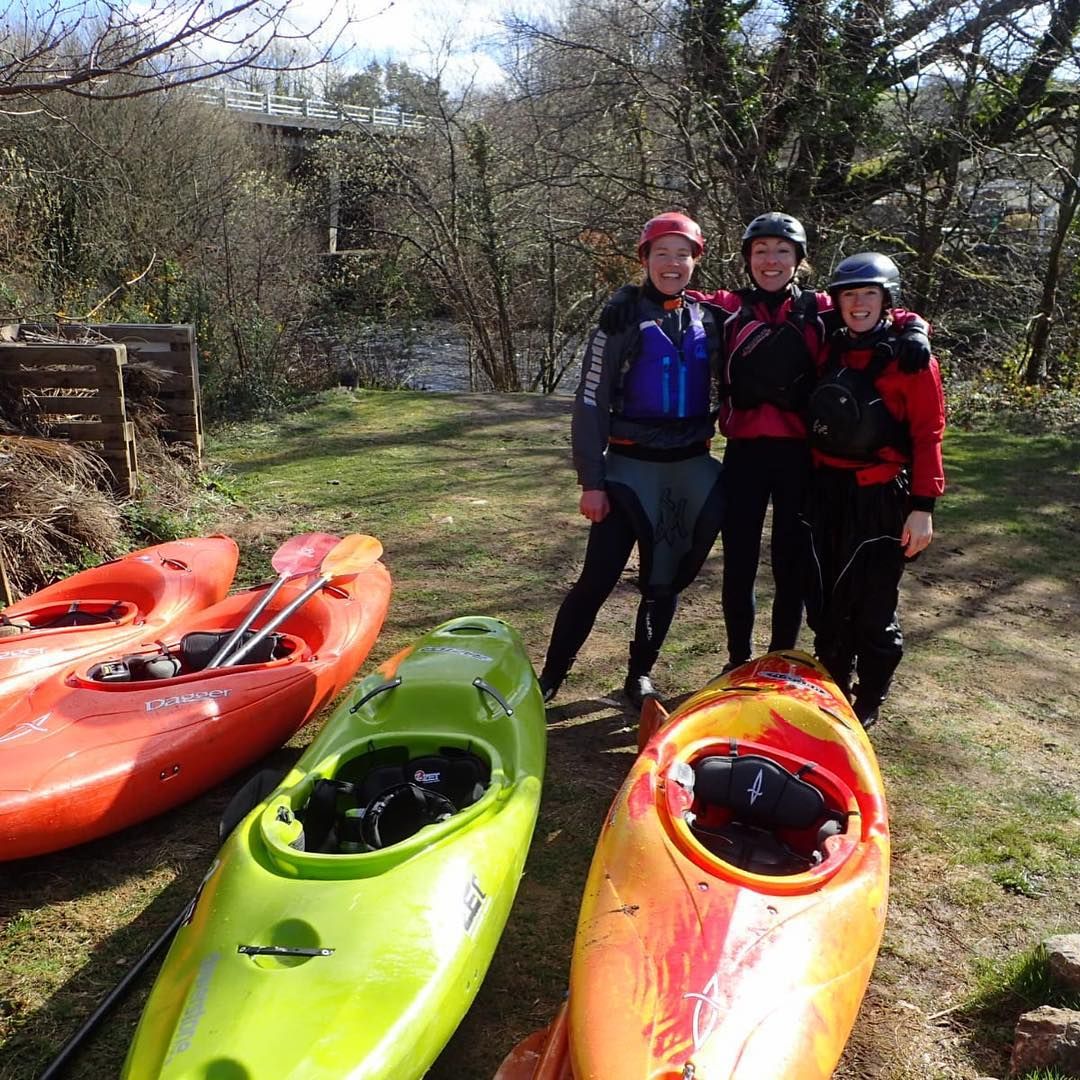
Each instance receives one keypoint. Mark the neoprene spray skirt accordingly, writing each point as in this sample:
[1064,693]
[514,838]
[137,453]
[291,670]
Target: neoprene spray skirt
[677,507]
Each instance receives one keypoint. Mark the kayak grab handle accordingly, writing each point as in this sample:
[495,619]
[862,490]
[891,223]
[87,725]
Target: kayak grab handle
[280,950]
[380,689]
[487,688]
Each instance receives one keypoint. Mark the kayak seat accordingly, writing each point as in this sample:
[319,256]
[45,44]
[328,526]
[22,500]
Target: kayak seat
[385,796]
[137,667]
[755,850]
[758,791]
[198,648]
[758,815]
[74,616]
[59,616]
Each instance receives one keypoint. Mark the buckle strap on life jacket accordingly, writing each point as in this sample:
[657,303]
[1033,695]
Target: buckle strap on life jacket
[770,362]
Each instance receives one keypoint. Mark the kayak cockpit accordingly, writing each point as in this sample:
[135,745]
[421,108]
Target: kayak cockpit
[378,802]
[189,656]
[69,615]
[752,812]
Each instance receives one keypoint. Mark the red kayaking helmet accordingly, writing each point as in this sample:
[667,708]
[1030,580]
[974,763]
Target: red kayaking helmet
[671,224]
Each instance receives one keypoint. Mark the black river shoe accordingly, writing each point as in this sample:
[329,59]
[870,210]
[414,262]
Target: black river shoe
[637,688]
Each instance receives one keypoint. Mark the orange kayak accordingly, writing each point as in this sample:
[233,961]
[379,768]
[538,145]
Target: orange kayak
[736,899]
[130,599]
[123,737]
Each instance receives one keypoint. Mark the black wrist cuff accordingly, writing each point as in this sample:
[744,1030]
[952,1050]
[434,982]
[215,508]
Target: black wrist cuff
[922,502]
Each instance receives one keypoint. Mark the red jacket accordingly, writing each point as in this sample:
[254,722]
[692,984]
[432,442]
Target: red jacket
[917,399]
[767,420]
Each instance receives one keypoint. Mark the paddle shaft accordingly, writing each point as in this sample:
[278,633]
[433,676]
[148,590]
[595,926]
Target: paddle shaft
[58,1063]
[248,619]
[275,622]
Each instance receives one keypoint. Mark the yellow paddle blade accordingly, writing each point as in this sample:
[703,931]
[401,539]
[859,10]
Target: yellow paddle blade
[350,555]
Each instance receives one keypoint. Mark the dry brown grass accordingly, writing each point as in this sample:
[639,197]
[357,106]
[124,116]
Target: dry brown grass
[53,513]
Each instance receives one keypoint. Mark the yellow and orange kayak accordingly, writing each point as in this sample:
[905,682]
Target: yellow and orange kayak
[737,895]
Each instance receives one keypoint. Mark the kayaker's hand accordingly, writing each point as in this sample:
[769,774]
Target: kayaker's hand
[594,505]
[620,311]
[918,532]
[913,350]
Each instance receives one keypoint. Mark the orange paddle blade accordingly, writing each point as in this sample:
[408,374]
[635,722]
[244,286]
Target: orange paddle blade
[303,554]
[350,555]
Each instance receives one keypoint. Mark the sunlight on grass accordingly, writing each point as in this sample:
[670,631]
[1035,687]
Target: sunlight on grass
[1025,978]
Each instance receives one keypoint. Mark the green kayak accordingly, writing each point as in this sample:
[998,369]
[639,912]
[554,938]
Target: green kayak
[349,919]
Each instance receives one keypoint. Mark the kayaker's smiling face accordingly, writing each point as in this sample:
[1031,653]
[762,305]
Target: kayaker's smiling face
[670,262]
[772,262]
[861,308]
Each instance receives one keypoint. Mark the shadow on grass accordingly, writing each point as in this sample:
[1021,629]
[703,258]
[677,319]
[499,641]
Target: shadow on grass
[1007,991]
[183,840]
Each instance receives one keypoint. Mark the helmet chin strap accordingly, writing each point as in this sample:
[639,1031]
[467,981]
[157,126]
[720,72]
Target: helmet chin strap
[658,296]
[868,336]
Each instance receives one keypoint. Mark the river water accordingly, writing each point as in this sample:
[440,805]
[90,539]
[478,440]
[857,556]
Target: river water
[428,356]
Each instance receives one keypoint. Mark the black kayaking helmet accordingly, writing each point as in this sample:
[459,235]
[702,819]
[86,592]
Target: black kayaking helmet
[775,224]
[867,268]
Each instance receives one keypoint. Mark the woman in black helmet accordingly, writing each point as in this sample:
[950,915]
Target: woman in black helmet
[876,422]
[772,341]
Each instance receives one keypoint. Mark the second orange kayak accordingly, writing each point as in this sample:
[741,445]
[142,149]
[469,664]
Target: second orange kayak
[737,896]
[130,599]
[127,736]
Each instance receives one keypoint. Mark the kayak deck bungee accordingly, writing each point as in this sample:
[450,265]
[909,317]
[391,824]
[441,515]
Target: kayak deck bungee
[350,918]
[737,896]
[124,737]
[130,599]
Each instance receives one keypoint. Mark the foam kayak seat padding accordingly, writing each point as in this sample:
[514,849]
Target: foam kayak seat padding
[197,649]
[758,791]
[392,796]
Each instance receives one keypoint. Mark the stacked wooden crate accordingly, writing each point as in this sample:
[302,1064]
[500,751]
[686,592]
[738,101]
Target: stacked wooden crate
[171,349]
[77,390]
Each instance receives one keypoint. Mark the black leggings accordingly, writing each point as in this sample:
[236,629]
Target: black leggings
[755,471]
[857,562]
[606,556]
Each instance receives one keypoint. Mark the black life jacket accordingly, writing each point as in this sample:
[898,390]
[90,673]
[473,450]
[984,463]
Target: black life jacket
[847,416]
[770,362]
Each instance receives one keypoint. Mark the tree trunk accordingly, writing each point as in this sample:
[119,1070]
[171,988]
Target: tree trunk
[1035,366]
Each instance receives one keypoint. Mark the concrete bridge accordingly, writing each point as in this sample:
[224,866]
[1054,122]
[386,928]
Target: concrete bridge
[296,122]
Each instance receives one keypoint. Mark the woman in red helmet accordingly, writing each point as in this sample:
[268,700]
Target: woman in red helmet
[642,421]
[876,423]
[773,338]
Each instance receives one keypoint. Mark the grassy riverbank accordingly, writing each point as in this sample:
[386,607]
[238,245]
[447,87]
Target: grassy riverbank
[474,501]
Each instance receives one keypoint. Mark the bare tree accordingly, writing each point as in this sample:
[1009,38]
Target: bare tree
[82,48]
[1066,196]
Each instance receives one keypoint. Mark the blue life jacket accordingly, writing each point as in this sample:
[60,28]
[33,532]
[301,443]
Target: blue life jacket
[666,381]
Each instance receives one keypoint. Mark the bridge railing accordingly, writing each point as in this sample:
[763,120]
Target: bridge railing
[255,101]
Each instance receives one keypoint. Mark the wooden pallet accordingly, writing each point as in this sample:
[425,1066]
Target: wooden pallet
[171,348]
[76,393]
